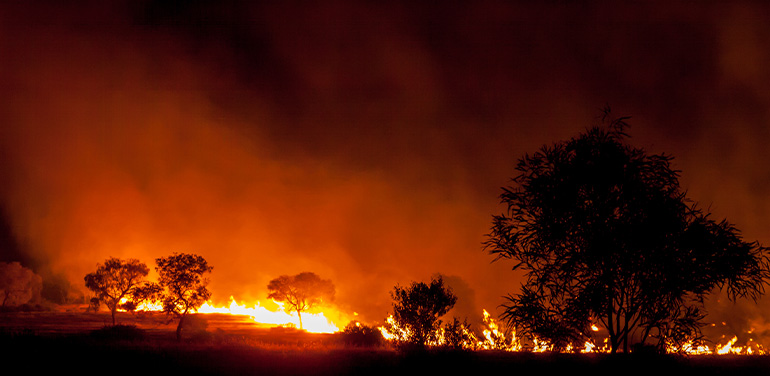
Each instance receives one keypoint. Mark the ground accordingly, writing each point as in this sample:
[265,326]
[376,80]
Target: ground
[71,341]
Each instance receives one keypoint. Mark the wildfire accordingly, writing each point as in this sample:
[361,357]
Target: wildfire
[728,348]
[311,322]
[493,338]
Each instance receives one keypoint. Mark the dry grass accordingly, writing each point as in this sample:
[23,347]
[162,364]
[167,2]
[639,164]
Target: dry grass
[63,342]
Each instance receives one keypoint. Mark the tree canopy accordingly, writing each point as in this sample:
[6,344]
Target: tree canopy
[116,280]
[605,235]
[182,287]
[417,309]
[301,292]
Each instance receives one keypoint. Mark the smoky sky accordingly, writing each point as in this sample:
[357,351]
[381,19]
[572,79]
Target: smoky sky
[366,142]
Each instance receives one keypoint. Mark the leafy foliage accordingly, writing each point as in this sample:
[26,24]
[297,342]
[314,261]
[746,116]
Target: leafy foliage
[115,280]
[301,292]
[417,309]
[182,287]
[358,334]
[604,233]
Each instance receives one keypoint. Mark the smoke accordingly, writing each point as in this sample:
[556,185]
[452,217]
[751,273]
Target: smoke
[364,143]
[18,285]
[465,307]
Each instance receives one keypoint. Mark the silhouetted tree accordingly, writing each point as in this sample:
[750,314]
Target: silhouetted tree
[301,292]
[115,280]
[604,233]
[417,309]
[93,305]
[181,287]
[358,334]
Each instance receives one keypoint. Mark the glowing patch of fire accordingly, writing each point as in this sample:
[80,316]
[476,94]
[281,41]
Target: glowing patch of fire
[494,339]
[311,322]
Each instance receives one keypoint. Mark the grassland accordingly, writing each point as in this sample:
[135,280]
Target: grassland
[64,342]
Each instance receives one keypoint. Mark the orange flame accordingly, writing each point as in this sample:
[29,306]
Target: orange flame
[494,339]
[311,322]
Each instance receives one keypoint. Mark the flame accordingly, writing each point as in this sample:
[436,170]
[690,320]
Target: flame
[589,347]
[311,322]
[540,346]
[727,349]
[494,339]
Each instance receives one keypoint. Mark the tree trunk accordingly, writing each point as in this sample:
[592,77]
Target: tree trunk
[299,314]
[179,328]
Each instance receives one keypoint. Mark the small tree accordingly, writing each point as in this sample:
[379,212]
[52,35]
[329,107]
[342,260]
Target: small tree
[115,280]
[605,234]
[358,334]
[417,309]
[182,287]
[301,292]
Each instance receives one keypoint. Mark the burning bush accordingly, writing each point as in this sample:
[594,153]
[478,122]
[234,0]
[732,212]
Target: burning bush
[416,312]
[458,335]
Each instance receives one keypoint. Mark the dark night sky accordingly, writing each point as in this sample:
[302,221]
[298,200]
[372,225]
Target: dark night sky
[364,141]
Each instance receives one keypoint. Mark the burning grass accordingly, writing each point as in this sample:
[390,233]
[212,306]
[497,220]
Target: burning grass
[239,355]
[232,345]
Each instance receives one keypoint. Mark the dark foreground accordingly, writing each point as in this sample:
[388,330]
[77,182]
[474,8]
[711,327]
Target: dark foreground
[262,351]
[65,355]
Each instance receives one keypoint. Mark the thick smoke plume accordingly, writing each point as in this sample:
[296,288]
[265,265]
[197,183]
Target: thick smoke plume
[366,143]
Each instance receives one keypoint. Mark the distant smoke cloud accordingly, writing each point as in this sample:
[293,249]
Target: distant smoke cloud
[18,285]
[364,142]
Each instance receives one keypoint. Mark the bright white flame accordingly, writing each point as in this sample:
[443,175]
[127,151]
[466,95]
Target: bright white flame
[312,322]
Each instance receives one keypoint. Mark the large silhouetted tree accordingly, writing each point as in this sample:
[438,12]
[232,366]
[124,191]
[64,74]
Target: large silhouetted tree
[182,287]
[417,309]
[605,234]
[115,280]
[301,292]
